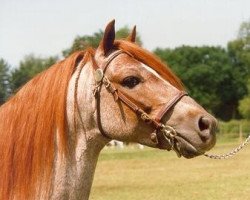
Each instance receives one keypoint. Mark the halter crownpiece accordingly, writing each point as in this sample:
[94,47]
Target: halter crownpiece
[162,131]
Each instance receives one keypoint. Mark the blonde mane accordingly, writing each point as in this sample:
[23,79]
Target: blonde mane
[32,119]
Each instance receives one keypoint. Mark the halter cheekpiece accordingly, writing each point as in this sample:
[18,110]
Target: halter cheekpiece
[161,131]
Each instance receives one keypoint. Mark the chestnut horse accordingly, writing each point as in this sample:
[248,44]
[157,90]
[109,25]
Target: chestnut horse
[53,129]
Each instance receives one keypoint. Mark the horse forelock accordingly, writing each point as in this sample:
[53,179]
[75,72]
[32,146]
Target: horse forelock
[28,124]
[150,60]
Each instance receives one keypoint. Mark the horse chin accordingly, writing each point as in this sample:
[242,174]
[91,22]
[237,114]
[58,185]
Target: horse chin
[184,148]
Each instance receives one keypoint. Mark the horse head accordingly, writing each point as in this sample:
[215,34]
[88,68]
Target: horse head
[150,86]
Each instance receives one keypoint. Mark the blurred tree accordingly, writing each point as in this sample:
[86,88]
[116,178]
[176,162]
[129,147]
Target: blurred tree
[83,42]
[244,105]
[239,49]
[209,76]
[244,31]
[4,81]
[28,68]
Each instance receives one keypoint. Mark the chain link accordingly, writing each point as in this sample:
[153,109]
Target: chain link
[230,154]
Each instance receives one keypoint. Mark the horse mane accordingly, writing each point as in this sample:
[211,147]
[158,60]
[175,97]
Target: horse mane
[29,124]
[150,60]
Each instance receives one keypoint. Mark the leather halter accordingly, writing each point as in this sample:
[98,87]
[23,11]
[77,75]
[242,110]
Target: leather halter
[161,131]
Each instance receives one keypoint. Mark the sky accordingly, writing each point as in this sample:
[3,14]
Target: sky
[45,28]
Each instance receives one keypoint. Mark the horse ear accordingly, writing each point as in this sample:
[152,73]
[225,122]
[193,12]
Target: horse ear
[107,41]
[132,35]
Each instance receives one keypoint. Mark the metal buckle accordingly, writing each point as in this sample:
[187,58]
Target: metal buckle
[169,134]
[106,82]
[168,131]
[146,118]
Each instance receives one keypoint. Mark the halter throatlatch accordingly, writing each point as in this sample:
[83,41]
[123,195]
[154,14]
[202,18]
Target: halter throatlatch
[162,132]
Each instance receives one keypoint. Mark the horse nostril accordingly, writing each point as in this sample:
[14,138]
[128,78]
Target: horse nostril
[204,123]
[205,128]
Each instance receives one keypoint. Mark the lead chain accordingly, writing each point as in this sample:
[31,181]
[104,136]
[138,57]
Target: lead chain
[230,154]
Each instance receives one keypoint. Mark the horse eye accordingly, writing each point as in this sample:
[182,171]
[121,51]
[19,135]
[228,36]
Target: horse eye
[130,82]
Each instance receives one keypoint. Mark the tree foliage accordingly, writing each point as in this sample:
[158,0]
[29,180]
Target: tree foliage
[4,81]
[239,49]
[28,68]
[244,104]
[83,42]
[244,107]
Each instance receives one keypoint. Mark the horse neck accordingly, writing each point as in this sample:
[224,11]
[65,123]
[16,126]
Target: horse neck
[74,175]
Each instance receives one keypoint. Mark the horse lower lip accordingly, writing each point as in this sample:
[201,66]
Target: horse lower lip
[186,149]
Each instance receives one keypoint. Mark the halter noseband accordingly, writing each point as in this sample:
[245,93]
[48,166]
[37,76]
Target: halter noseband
[162,132]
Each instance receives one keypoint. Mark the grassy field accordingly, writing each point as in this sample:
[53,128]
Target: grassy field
[149,174]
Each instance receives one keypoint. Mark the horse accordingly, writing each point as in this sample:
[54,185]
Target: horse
[53,129]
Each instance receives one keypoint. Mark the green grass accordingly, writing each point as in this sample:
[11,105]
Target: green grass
[152,174]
